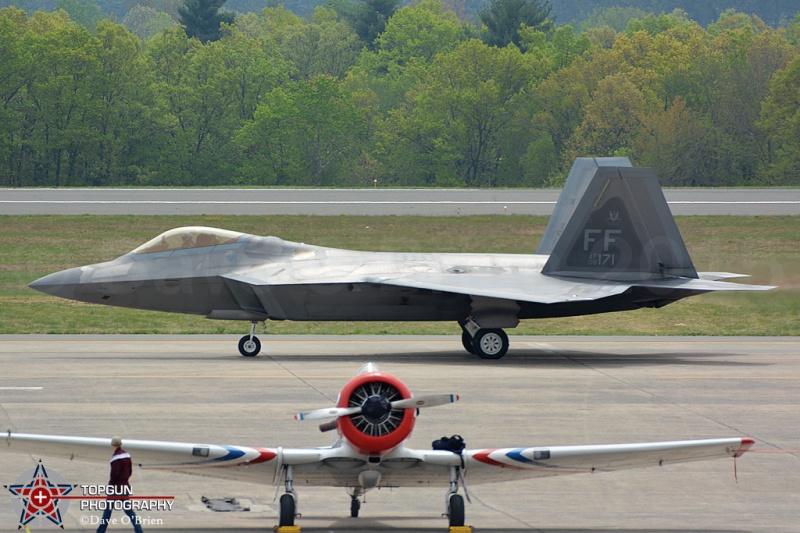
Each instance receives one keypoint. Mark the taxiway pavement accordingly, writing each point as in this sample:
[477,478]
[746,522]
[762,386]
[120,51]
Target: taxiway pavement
[546,391]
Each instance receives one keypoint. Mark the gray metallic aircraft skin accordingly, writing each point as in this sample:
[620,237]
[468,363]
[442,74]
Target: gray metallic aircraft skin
[611,245]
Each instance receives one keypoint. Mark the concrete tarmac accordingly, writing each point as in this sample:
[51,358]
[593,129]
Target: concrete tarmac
[546,391]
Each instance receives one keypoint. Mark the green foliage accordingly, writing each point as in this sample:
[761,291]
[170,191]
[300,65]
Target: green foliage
[503,18]
[780,118]
[202,19]
[369,17]
[455,124]
[279,99]
[301,134]
[323,45]
[145,22]
[613,17]
[84,12]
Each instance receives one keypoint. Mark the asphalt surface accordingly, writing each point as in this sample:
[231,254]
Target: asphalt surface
[546,391]
[427,202]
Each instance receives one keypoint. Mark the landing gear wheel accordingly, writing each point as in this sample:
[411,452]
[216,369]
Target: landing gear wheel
[466,340]
[287,512]
[490,343]
[355,506]
[249,347]
[456,510]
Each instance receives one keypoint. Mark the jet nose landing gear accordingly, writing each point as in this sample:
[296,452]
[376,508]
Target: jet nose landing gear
[249,345]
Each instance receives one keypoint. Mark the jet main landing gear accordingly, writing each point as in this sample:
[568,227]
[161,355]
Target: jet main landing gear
[486,343]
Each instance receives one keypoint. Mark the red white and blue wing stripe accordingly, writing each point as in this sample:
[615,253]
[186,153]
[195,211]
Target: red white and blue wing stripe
[504,464]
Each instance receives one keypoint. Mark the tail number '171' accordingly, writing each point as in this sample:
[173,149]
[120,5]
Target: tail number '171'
[602,259]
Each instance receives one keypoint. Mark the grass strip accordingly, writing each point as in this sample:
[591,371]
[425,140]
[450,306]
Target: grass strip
[765,247]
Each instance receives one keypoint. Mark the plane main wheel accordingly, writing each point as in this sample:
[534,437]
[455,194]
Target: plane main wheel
[249,347]
[355,506]
[287,512]
[456,510]
[490,343]
[466,340]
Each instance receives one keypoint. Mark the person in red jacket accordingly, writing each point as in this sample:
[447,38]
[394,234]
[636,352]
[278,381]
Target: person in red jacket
[121,469]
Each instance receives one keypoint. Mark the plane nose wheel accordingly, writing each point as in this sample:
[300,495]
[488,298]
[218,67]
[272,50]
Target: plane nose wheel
[355,506]
[249,345]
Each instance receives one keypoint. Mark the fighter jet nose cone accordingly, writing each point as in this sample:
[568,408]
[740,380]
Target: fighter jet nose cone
[59,283]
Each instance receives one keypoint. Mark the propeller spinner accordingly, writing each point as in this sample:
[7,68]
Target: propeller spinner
[373,412]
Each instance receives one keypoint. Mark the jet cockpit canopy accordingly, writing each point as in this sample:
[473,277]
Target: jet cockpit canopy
[186,238]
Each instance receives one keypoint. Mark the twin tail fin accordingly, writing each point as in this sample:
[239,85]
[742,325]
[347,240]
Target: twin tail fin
[612,222]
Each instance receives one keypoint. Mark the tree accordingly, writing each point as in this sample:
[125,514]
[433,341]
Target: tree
[84,12]
[321,46]
[369,18]
[612,121]
[780,117]
[145,22]
[128,115]
[300,134]
[455,127]
[202,19]
[503,18]
[15,69]
[413,38]
[419,33]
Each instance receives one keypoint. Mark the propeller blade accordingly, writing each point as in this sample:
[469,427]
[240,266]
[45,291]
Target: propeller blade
[431,400]
[328,412]
[417,402]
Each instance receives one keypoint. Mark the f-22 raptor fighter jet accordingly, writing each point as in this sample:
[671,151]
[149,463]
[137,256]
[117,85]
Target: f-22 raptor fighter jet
[610,245]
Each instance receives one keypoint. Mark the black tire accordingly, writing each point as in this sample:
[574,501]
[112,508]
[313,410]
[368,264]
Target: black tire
[355,506]
[466,340]
[247,348]
[287,512]
[490,343]
[456,510]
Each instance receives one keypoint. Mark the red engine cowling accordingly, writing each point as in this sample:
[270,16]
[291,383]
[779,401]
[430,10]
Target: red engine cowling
[378,429]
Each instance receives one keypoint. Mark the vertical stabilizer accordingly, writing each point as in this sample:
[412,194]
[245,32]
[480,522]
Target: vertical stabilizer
[614,224]
[580,175]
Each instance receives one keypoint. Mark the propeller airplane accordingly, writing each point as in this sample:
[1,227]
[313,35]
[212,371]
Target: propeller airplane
[374,416]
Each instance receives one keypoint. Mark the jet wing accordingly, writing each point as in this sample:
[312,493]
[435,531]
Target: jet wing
[506,464]
[539,288]
[524,285]
[527,286]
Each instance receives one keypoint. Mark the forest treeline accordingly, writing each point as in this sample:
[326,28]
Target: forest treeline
[290,101]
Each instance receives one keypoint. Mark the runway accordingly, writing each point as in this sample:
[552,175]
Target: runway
[373,202]
[546,391]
